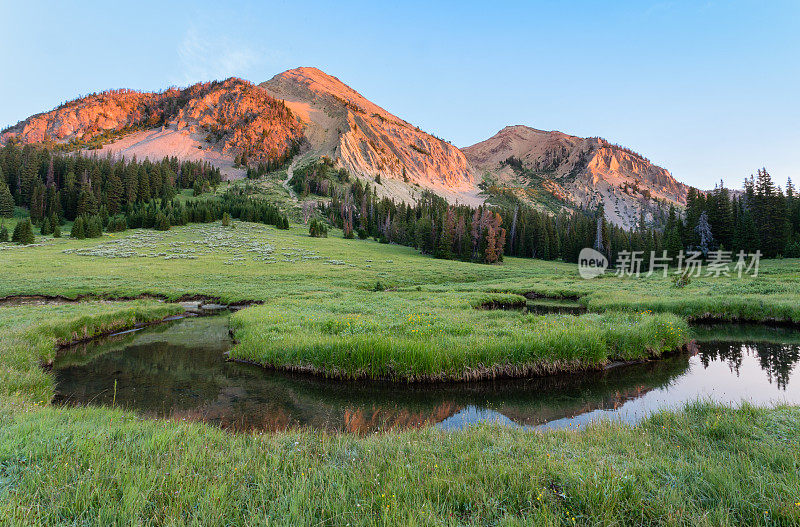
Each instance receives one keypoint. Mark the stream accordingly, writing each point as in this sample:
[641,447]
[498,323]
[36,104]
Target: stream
[178,370]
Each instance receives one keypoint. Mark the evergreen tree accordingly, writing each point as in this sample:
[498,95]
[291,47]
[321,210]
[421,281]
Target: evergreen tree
[6,199]
[87,204]
[3,233]
[703,230]
[23,233]
[45,228]
[93,227]
[114,193]
[78,231]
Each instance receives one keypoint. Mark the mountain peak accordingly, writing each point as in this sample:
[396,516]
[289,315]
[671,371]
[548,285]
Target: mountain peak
[319,83]
[576,171]
[367,140]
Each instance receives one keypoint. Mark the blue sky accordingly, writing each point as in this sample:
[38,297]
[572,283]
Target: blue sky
[709,90]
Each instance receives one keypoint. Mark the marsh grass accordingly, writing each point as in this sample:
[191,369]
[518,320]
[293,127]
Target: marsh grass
[414,336]
[31,335]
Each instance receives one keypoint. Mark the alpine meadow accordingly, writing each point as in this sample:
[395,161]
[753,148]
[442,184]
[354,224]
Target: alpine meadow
[274,302]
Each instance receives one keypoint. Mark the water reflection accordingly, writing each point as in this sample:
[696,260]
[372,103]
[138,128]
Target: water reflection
[178,371]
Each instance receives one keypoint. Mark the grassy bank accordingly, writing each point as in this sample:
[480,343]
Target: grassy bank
[31,334]
[704,466]
[415,336]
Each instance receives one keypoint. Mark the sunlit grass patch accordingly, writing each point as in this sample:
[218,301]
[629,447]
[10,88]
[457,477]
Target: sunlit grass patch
[423,336]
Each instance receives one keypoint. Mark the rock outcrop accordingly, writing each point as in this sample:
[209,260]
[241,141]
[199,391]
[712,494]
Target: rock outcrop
[577,171]
[367,140]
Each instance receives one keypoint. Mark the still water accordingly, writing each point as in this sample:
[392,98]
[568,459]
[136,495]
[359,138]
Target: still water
[178,370]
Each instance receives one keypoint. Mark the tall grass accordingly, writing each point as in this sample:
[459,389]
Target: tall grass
[30,336]
[705,466]
[414,336]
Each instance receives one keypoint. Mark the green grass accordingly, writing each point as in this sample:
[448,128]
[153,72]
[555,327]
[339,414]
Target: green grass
[705,466]
[334,264]
[416,336]
[30,336]
[317,286]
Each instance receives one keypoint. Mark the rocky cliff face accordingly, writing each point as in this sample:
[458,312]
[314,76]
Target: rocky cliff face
[367,140]
[233,117]
[578,171]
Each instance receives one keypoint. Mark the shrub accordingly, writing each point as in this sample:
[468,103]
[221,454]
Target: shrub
[682,280]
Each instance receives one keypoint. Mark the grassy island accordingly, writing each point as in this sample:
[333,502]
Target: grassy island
[418,336]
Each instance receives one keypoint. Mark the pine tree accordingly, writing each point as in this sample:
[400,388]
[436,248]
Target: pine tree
[45,228]
[143,186]
[78,231]
[114,193]
[6,200]
[490,252]
[703,230]
[23,233]
[87,204]
[94,227]
[445,247]
[3,233]
[56,230]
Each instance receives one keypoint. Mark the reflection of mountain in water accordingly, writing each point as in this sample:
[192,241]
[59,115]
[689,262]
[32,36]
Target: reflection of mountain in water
[179,371]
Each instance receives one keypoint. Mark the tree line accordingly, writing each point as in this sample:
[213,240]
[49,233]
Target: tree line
[50,183]
[106,194]
[761,217]
[482,234]
[103,194]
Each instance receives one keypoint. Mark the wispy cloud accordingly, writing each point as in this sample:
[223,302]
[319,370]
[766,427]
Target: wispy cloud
[205,56]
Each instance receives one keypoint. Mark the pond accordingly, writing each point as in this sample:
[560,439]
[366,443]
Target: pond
[178,370]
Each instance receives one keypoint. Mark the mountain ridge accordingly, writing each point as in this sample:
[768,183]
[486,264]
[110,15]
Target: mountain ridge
[234,122]
[583,171]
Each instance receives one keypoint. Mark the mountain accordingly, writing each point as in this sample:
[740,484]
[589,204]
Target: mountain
[367,140]
[214,121]
[569,171]
[233,122]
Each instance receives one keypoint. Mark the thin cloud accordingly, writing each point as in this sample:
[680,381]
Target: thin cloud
[204,56]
